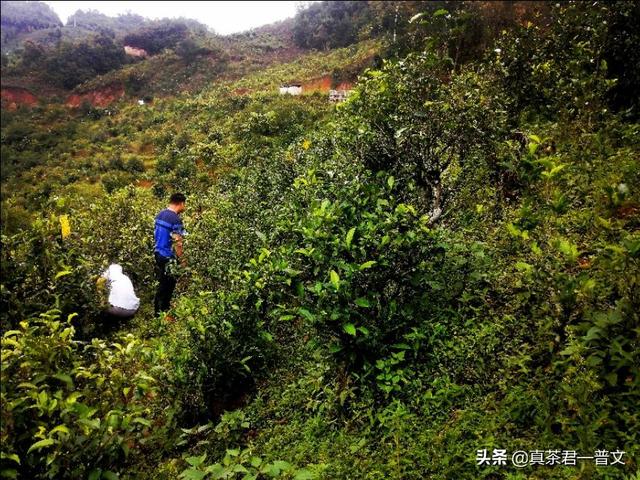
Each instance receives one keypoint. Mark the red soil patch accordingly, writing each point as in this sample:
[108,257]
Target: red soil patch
[97,98]
[344,86]
[13,97]
[628,211]
[324,84]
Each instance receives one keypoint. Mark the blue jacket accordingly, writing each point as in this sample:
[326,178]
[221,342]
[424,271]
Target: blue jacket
[167,223]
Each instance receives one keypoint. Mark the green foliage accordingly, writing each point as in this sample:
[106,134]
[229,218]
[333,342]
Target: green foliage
[69,64]
[623,62]
[241,464]
[19,17]
[71,408]
[41,268]
[570,75]
[217,352]
[405,120]
[326,25]
[94,20]
[153,39]
[34,14]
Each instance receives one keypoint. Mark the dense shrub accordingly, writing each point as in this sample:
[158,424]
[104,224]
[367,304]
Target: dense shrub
[72,64]
[75,409]
[156,38]
[428,130]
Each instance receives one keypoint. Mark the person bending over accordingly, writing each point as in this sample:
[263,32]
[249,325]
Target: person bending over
[123,302]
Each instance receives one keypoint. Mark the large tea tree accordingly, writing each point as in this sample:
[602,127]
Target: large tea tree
[415,120]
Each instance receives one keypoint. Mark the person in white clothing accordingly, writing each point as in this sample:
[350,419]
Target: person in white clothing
[123,302]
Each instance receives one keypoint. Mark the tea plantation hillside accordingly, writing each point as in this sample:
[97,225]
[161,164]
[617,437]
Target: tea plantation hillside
[438,278]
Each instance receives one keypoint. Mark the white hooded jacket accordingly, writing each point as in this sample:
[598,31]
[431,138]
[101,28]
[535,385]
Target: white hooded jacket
[121,293]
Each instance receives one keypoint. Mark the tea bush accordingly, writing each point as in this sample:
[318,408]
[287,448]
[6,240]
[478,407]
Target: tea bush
[75,409]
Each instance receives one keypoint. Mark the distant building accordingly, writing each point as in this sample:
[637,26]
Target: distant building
[291,89]
[135,52]
[338,95]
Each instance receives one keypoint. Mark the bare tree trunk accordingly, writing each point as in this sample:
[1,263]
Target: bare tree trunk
[436,210]
[395,22]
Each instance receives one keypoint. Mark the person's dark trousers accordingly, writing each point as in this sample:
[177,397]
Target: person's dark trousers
[166,284]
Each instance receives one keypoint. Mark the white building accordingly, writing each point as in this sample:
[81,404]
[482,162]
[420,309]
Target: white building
[338,95]
[291,89]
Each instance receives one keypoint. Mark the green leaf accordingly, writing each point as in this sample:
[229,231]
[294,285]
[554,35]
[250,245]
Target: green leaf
[592,334]
[281,465]
[196,461]
[27,385]
[60,428]
[41,444]
[62,274]
[556,169]
[418,16]
[391,181]
[362,302]
[335,279]
[568,249]
[94,474]
[524,267]
[305,474]
[10,456]
[64,378]
[368,264]
[10,333]
[350,329]
[142,421]
[440,12]
[270,469]
[216,470]
[108,475]
[398,134]
[307,314]
[91,423]
[191,474]
[349,237]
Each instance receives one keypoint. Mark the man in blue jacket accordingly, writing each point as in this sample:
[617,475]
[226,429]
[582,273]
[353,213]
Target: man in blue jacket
[168,235]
